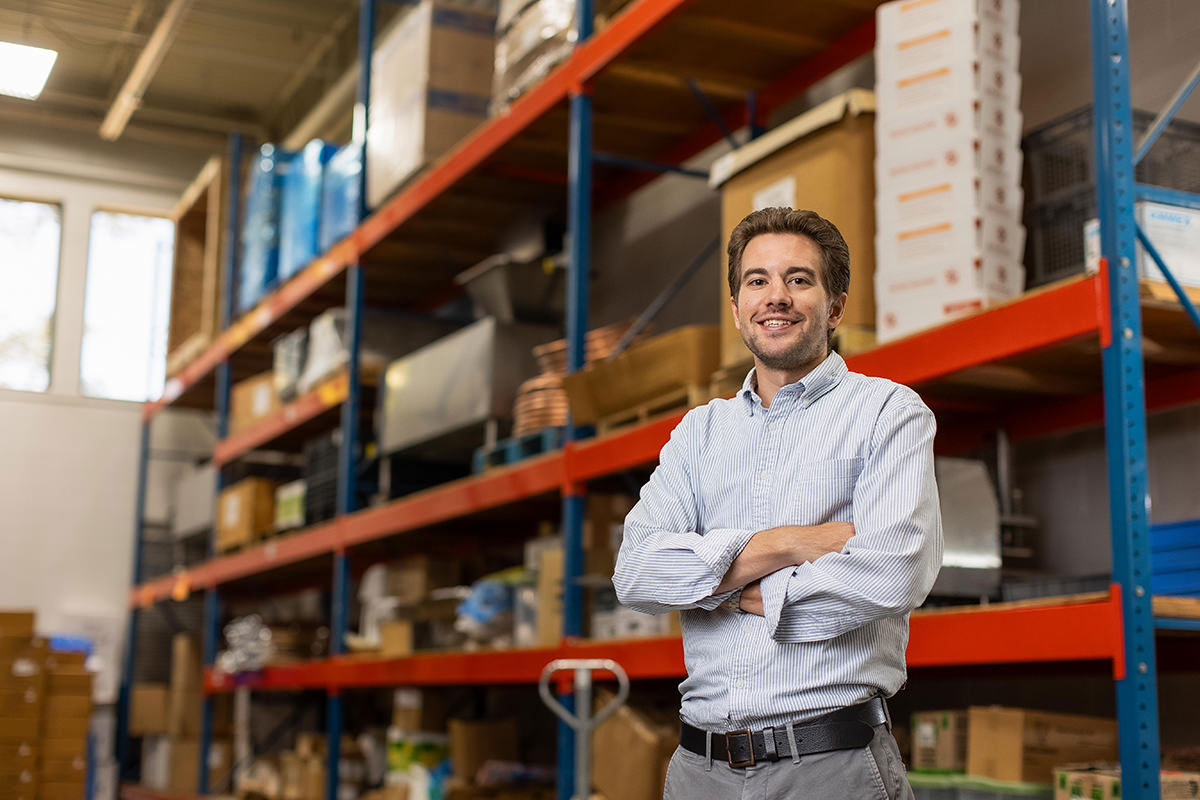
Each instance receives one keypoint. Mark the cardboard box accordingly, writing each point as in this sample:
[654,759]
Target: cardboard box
[1016,744]
[66,770]
[64,662]
[252,400]
[185,706]
[148,704]
[438,57]
[939,741]
[1173,230]
[823,160]
[410,580]
[20,703]
[15,730]
[245,513]
[24,783]
[396,638]
[76,682]
[76,706]
[184,765]
[17,623]
[918,298]
[65,727]
[631,751]
[549,597]
[416,710]
[644,373]
[63,790]
[61,749]
[472,743]
[18,758]
[1103,782]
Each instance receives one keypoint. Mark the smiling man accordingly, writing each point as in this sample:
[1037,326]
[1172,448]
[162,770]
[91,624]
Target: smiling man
[795,526]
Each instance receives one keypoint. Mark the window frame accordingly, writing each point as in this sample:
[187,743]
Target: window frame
[52,349]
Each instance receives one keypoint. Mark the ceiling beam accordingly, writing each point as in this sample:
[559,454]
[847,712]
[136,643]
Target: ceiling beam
[131,92]
[167,116]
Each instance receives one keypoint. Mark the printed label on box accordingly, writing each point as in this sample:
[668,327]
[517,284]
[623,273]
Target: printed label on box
[781,194]
[232,510]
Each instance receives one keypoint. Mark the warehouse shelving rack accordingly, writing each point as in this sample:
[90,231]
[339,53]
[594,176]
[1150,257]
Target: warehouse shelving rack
[1053,333]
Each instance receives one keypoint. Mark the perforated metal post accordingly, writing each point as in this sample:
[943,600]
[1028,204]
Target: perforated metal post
[1124,400]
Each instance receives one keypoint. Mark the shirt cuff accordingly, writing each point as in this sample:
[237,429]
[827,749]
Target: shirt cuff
[719,547]
[774,594]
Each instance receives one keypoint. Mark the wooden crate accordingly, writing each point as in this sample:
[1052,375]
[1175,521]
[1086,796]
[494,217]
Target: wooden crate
[196,286]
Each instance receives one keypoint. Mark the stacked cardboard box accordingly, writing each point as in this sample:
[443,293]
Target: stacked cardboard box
[939,741]
[1103,782]
[300,773]
[435,68]
[949,240]
[1017,744]
[252,400]
[66,716]
[631,751]
[22,688]
[245,513]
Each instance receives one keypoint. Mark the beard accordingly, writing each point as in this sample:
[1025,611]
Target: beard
[811,347]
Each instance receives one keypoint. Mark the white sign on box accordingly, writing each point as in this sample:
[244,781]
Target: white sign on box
[905,19]
[1173,230]
[780,194]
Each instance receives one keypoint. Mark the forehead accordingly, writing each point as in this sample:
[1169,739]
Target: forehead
[781,250]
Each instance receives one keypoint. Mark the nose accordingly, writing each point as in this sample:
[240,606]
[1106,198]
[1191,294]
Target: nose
[778,296]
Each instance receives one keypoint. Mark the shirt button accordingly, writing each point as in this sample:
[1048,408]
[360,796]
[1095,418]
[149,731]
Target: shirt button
[764,475]
[774,426]
[741,684]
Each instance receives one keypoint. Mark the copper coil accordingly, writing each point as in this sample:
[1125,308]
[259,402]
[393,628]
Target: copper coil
[598,344]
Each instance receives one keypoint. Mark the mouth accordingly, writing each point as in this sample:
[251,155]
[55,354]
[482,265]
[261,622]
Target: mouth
[776,323]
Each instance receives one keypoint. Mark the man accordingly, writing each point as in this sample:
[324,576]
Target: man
[795,526]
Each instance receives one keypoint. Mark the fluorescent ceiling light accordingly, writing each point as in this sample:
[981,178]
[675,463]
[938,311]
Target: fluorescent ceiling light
[24,69]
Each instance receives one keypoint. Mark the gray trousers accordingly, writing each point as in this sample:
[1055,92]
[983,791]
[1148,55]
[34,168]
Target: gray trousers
[874,772]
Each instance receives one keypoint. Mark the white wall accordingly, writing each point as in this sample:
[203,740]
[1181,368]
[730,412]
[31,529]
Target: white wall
[68,475]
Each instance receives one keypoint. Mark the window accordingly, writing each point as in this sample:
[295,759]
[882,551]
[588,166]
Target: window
[30,235]
[126,306]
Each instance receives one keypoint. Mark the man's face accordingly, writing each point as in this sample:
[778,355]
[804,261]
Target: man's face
[782,308]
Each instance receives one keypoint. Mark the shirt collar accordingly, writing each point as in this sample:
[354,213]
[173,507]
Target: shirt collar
[816,383]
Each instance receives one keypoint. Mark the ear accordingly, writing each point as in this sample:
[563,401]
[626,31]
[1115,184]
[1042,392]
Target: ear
[837,310]
[733,307]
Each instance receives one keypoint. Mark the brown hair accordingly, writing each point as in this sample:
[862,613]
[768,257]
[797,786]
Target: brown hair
[835,255]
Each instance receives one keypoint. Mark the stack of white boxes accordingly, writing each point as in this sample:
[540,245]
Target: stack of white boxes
[949,239]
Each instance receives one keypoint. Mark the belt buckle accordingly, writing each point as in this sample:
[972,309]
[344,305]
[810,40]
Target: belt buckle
[749,747]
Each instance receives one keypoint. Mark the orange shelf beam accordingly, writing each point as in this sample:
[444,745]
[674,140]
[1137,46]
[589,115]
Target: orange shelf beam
[1070,631]
[325,397]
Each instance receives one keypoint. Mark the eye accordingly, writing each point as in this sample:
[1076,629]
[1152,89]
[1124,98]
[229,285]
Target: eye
[800,279]
[755,282]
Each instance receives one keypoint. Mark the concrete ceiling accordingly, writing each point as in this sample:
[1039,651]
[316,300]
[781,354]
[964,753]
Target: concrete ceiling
[254,66]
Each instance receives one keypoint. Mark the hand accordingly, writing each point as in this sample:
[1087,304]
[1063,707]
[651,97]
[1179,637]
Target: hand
[751,601]
[813,541]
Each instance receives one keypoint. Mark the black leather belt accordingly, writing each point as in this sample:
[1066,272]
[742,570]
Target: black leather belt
[845,729]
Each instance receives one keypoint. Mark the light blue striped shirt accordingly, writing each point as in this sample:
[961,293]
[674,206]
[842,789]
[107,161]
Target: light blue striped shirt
[835,446]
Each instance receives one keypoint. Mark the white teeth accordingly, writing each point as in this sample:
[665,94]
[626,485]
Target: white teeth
[776,323]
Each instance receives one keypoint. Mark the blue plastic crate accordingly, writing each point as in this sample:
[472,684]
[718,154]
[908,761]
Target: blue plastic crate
[1175,559]
[301,207]
[260,226]
[340,195]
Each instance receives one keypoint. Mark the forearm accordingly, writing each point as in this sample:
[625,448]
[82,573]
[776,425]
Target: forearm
[774,549]
[660,571]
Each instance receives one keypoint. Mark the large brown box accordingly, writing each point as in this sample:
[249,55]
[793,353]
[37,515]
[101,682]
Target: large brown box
[185,707]
[1017,744]
[939,741]
[1103,782]
[472,743]
[252,400]
[630,752]
[66,705]
[20,703]
[63,790]
[411,579]
[824,160]
[22,784]
[195,318]
[63,769]
[69,682]
[245,513]
[17,623]
[64,663]
[18,758]
[185,765]
[549,597]
[15,730]
[644,373]
[418,710]
[396,638]
[148,704]
[65,727]
[63,749]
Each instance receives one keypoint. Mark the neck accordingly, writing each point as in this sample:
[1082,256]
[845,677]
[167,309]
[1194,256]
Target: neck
[771,380]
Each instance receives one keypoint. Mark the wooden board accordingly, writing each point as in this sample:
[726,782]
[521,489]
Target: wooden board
[1175,607]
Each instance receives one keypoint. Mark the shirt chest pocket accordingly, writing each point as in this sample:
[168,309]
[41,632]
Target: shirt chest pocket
[823,491]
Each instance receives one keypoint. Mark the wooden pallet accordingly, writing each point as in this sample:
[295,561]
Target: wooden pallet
[1175,607]
[518,448]
[669,403]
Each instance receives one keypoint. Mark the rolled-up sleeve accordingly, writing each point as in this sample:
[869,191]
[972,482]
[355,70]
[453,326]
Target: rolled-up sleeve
[664,564]
[888,567]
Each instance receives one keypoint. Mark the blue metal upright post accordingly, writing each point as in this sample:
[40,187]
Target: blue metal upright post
[139,524]
[1124,400]
[212,600]
[348,453]
[579,227]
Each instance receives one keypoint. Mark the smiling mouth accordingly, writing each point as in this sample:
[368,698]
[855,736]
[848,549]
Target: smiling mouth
[777,324]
